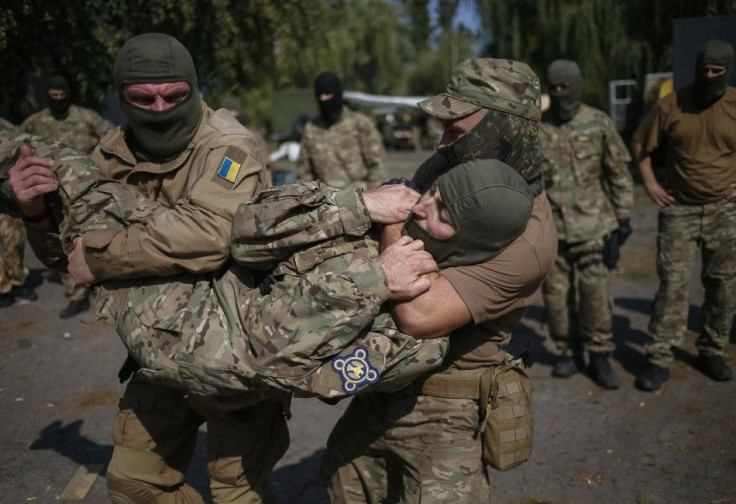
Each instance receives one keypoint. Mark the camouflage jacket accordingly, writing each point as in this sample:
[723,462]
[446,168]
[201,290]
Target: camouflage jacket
[586,173]
[320,333]
[82,128]
[7,125]
[347,154]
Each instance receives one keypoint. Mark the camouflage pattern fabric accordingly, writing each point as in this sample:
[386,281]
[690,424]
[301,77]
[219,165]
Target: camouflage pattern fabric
[496,83]
[346,154]
[7,125]
[12,245]
[589,188]
[586,174]
[683,230]
[82,128]
[585,323]
[216,334]
[404,447]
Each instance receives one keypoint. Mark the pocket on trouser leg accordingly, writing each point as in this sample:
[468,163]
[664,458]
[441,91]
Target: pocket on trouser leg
[509,428]
[243,450]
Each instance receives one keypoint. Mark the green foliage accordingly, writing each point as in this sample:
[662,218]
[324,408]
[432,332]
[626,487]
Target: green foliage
[610,39]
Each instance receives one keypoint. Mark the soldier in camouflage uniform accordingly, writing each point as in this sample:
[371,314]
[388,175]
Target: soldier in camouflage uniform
[341,148]
[198,165]
[276,336]
[418,444]
[697,200]
[77,127]
[590,188]
[13,274]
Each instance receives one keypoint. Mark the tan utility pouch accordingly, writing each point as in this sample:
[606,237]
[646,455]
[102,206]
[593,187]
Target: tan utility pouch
[504,395]
[507,433]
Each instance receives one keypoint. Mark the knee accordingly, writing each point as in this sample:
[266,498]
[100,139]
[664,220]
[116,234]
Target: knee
[125,491]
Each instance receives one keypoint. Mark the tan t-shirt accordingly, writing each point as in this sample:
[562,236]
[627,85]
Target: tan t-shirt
[701,145]
[499,291]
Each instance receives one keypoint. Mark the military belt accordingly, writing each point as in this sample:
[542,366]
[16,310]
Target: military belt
[459,385]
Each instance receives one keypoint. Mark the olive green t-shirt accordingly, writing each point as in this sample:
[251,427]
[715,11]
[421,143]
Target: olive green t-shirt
[701,145]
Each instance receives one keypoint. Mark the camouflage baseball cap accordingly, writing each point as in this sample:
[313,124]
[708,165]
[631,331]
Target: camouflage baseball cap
[500,84]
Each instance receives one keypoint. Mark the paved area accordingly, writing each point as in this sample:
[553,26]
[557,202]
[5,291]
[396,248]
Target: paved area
[59,391]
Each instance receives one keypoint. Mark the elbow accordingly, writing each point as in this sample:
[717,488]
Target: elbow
[412,323]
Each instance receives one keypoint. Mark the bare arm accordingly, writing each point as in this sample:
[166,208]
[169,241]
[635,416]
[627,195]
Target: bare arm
[436,311]
[644,162]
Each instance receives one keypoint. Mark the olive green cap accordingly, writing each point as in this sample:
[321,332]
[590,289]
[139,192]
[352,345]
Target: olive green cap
[500,84]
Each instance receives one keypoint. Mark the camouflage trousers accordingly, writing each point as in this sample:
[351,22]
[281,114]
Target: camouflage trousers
[155,433]
[72,290]
[577,299]
[12,246]
[404,447]
[683,231]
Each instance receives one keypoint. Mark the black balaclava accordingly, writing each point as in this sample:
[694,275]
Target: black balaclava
[490,205]
[706,91]
[506,137]
[59,108]
[329,83]
[154,58]
[565,103]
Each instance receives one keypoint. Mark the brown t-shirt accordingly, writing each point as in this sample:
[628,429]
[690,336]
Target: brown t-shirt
[498,292]
[701,145]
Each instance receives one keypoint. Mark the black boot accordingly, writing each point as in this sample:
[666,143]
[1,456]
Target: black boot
[714,367]
[601,372]
[75,308]
[6,299]
[565,367]
[652,378]
[25,292]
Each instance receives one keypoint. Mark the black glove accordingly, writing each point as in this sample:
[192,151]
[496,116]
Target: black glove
[624,230]
[403,181]
[611,246]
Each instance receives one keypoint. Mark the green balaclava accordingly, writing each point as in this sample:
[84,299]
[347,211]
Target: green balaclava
[59,108]
[490,205]
[709,90]
[154,58]
[565,103]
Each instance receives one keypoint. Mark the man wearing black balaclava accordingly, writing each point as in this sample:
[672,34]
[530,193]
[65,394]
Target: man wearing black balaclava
[340,147]
[78,127]
[587,179]
[697,124]
[198,165]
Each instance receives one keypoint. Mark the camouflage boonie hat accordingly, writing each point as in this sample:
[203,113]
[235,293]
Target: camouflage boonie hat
[500,84]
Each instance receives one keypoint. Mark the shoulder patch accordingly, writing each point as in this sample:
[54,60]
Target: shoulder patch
[355,370]
[228,170]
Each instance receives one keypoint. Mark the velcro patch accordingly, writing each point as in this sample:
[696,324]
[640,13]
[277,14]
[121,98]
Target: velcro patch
[355,370]
[230,167]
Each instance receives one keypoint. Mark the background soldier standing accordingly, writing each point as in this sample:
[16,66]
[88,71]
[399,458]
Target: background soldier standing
[341,148]
[590,189]
[13,274]
[697,211]
[77,127]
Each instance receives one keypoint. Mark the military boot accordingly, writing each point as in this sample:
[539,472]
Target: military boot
[601,372]
[74,308]
[6,299]
[652,378]
[565,367]
[714,367]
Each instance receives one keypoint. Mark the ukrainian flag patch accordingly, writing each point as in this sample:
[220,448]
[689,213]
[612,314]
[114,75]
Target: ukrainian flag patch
[355,370]
[229,170]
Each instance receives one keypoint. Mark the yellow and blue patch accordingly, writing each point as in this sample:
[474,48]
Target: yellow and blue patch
[229,170]
[355,370]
